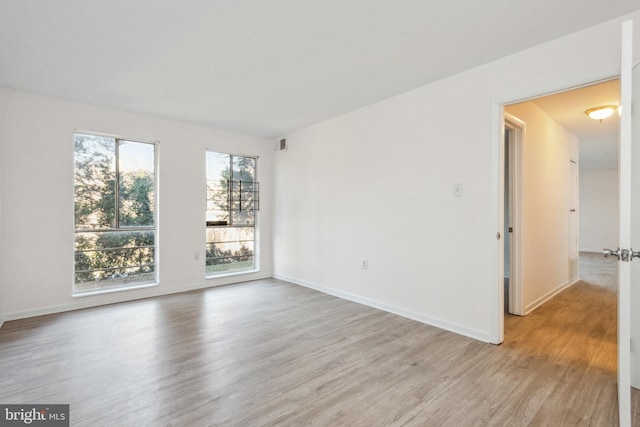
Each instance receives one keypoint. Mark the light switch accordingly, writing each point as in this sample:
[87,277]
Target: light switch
[457,189]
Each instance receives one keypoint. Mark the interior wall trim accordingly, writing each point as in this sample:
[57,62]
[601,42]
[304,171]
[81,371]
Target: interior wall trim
[479,335]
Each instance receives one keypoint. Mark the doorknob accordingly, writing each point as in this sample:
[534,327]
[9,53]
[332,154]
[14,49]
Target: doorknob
[609,252]
[625,255]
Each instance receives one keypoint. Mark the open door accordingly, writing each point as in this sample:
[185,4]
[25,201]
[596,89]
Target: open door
[635,209]
[624,253]
[514,129]
[573,221]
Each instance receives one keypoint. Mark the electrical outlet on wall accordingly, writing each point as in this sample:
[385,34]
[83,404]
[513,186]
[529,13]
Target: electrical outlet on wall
[365,264]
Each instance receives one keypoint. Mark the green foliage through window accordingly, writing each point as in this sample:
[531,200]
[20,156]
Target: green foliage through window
[114,213]
[232,203]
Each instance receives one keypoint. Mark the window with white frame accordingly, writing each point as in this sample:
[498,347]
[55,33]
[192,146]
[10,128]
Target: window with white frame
[232,204]
[115,213]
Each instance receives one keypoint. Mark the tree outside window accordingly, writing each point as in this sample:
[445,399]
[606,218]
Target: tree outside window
[232,203]
[115,201]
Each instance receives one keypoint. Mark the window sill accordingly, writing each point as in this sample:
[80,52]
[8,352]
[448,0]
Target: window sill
[231,273]
[112,290]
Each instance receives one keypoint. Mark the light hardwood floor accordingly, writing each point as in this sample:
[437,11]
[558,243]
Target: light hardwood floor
[272,353]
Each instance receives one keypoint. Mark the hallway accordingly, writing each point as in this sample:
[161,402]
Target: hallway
[574,336]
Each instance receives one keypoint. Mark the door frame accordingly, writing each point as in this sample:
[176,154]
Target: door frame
[517,128]
[496,333]
[624,199]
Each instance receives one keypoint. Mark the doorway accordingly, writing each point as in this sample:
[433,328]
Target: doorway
[567,289]
[556,180]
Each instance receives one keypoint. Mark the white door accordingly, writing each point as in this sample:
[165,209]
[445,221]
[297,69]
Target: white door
[624,252]
[512,190]
[635,209]
[573,221]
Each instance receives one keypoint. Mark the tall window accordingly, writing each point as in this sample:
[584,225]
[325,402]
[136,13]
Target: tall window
[232,202]
[115,206]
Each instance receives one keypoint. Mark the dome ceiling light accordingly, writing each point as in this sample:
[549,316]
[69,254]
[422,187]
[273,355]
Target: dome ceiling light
[602,112]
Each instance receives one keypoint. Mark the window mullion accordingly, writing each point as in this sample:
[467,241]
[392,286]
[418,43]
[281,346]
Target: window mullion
[117,188]
[230,188]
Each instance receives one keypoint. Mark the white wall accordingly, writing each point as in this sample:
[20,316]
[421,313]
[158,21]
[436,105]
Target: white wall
[599,152]
[377,184]
[37,200]
[547,149]
[598,210]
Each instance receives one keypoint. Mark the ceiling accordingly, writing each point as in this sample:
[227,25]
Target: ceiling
[265,68]
[568,108]
[598,139]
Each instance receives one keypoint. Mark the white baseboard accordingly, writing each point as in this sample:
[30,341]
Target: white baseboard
[546,297]
[419,317]
[133,295]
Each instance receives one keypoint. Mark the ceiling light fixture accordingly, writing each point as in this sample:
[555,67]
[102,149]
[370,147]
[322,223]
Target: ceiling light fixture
[601,113]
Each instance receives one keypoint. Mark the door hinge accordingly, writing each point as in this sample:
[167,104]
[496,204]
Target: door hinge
[510,229]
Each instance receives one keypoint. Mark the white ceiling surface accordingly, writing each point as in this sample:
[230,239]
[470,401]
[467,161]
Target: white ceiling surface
[598,140]
[568,108]
[266,67]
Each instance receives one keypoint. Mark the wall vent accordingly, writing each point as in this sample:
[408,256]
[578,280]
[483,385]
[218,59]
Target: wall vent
[282,145]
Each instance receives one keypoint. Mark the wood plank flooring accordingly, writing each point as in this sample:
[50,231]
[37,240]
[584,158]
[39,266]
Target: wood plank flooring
[272,353]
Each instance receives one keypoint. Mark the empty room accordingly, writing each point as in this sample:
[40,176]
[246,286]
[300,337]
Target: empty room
[218,213]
